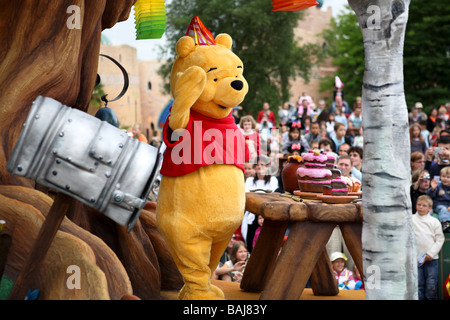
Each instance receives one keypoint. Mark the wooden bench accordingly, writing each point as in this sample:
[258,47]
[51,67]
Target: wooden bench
[283,275]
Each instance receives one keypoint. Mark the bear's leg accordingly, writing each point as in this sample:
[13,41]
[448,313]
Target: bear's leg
[217,251]
[191,250]
[192,261]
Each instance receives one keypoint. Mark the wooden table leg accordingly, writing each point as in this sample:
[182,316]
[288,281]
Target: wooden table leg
[323,280]
[351,232]
[297,260]
[263,257]
[40,248]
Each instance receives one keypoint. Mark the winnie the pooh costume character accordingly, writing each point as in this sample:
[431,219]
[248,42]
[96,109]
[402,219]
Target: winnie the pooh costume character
[201,201]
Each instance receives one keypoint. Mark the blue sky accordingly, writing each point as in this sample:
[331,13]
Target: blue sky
[124,33]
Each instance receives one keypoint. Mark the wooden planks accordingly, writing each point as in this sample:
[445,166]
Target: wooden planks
[297,260]
[264,256]
[273,206]
[304,255]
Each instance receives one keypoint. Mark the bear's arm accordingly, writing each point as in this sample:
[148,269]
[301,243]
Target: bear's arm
[188,89]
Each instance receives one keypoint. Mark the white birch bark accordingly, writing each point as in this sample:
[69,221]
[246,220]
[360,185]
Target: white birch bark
[389,250]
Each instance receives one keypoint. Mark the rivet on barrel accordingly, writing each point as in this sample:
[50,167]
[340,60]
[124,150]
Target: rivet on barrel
[118,196]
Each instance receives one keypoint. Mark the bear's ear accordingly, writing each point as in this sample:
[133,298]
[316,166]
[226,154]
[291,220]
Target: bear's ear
[225,40]
[185,46]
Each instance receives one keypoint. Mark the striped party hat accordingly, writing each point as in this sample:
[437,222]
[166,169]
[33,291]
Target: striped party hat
[199,33]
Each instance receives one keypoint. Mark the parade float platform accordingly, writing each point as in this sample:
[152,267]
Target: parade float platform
[233,292]
[280,270]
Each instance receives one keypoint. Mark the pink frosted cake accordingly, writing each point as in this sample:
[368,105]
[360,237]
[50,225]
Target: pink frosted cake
[330,161]
[315,159]
[339,187]
[314,175]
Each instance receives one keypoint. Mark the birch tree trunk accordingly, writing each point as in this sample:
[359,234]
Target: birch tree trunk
[389,250]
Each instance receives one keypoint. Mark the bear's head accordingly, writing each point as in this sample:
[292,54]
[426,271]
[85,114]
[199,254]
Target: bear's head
[225,86]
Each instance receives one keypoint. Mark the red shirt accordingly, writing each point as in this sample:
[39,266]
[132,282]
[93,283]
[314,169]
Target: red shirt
[204,141]
[271,116]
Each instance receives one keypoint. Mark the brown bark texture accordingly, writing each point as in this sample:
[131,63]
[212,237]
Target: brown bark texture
[42,54]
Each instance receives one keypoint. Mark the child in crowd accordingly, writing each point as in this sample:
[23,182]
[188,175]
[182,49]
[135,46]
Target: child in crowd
[420,185]
[295,149]
[313,134]
[429,241]
[436,159]
[283,112]
[329,124]
[339,135]
[344,277]
[440,193]
[258,230]
[358,141]
[233,269]
[295,137]
[262,180]
[306,124]
[249,170]
[251,136]
[314,145]
[339,116]
[417,141]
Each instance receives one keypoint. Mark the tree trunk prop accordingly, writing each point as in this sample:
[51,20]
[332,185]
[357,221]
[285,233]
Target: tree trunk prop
[46,52]
[389,250]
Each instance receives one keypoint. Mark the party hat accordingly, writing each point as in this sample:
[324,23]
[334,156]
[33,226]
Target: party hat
[338,83]
[150,19]
[199,33]
[292,5]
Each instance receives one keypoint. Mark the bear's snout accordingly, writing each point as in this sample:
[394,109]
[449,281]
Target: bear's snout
[237,85]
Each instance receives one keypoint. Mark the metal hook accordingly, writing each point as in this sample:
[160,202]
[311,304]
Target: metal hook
[125,78]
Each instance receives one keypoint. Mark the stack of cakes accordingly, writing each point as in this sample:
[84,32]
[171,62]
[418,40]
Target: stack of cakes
[314,175]
[339,187]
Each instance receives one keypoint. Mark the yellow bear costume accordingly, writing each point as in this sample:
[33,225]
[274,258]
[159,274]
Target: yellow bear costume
[199,208]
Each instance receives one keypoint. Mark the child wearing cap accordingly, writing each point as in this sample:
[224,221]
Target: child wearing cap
[344,277]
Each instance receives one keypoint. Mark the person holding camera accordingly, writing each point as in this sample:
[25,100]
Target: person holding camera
[420,185]
[438,157]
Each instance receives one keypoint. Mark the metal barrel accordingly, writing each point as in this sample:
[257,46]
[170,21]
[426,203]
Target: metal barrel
[77,154]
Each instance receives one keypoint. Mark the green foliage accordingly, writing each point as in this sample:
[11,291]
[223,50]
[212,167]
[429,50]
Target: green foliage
[345,46]
[427,54]
[96,97]
[262,38]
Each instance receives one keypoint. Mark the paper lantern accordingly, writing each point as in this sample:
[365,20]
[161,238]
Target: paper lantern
[199,33]
[292,5]
[150,19]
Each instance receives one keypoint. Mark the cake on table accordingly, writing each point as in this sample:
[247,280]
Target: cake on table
[353,184]
[339,187]
[314,175]
[331,160]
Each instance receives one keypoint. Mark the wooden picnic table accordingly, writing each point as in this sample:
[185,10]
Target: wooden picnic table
[283,275]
